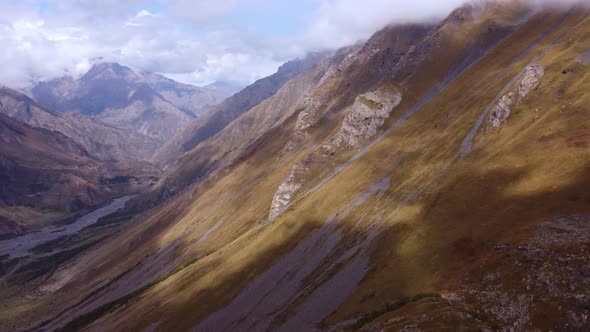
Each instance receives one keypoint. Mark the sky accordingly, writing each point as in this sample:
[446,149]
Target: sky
[192,41]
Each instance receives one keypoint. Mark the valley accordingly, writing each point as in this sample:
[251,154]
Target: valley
[432,177]
[21,246]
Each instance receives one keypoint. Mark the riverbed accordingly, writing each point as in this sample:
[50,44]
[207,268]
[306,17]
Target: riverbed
[21,246]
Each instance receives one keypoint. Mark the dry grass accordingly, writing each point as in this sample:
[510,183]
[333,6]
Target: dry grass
[440,215]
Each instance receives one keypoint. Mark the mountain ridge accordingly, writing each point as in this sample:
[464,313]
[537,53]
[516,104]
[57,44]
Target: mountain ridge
[223,114]
[101,140]
[147,103]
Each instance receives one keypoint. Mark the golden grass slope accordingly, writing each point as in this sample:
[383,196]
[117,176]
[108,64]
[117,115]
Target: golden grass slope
[406,216]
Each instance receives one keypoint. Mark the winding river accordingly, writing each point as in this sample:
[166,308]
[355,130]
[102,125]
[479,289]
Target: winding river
[21,246]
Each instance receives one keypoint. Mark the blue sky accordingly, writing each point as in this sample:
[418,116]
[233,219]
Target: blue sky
[194,41]
[277,18]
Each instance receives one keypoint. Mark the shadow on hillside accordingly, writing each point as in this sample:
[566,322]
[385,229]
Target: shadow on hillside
[458,223]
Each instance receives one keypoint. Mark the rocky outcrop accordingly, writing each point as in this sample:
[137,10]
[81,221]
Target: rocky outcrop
[285,193]
[529,81]
[502,111]
[365,118]
[352,70]
[363,122]
[307,119]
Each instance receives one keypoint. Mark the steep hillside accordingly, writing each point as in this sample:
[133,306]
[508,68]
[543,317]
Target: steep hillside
[325,86]
[100,140]
[436,178]
[44,169]
[223,114]
[149,104]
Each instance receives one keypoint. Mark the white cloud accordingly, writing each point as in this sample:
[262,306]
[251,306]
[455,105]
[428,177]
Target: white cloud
[342,22]
[44,48]
[139,19]
[202,10]
[188,40]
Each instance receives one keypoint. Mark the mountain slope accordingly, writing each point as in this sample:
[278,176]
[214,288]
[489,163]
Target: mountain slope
[118,96]
[322,87]
[188,98]
[45,169]
[100,140]
[223,114]
[412,208]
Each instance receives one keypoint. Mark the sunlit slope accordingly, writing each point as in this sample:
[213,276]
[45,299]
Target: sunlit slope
[326,87]
[407,213]
[435,202]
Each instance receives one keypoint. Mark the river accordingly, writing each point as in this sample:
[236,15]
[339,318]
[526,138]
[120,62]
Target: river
[21,246]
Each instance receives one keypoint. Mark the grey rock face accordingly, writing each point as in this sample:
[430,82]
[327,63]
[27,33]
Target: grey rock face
[365,118]
[309,117]
[363,122]
[284,193]
[501,112]
[529,81]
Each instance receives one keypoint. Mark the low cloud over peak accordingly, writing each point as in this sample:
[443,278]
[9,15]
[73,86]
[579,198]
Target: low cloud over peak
[196,42]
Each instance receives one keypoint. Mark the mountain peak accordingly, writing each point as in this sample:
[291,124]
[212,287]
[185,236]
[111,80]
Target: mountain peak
[110,71]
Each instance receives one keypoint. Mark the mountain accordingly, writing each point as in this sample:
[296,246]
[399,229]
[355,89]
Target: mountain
[189,98]
[100,140]
[228,87]
[147,103]
[434,177]
[223,114]
[312,91]
[44,169]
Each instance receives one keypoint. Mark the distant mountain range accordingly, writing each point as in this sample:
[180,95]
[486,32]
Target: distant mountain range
[105,142]
[60,151]
[147,103]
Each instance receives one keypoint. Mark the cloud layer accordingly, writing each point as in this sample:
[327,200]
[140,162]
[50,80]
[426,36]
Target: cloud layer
[195,41]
